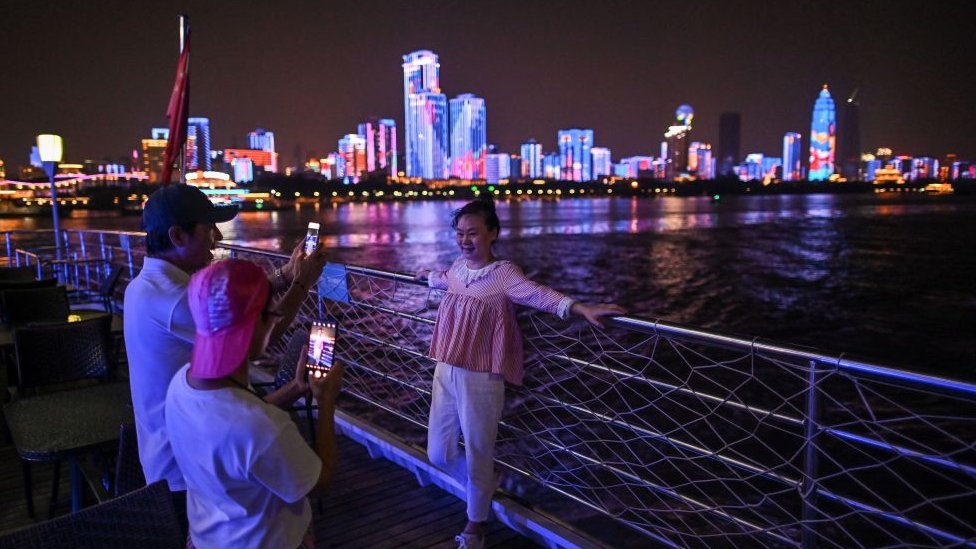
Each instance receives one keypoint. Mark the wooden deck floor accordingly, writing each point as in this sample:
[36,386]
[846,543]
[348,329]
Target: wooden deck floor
[374,503]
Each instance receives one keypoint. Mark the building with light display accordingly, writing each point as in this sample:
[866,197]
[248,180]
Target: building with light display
[551,166]
[153,157]
[704,161]
[531,165]
[678,140]
[822,137]
[575,158]
[469,139]
[792,157]
[352,151]
[497,167]
[198,144]
[261,140]
[425,116]
[602,164]
[381,144]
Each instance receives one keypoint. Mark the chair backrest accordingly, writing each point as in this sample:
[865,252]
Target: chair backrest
[62,352]
[289,358]
[111,280]
[128,468]
[27,284]
[18,274]
[144,518]
[35,305]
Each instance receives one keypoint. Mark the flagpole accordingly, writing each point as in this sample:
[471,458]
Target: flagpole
[184,28]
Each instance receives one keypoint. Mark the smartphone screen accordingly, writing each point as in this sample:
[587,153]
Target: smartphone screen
[321,347]
[311,237]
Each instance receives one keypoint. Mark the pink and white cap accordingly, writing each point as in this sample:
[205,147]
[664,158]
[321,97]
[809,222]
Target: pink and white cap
[225,300]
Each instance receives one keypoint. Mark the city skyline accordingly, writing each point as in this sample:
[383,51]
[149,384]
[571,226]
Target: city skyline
[110,87]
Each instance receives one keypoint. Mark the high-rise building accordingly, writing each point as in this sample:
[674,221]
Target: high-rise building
[497,166]
[822,137]
[381,144]
[637,166]
[729,138]
[153,158]
[352,150]
[705,168]
[601,162]
[469,139]
[849,138]
[261,140]
[425,116]
[574,154]
[531,160]
[198,144]
[552,166]
[678,140]
[792,157]
[258,161]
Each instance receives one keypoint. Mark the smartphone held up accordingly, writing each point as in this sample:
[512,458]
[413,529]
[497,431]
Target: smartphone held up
[311,238]
[321,348]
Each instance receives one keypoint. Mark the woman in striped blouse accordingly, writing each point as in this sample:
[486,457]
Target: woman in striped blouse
[478,348]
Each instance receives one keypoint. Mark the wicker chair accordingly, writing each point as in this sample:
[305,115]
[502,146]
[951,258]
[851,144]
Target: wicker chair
[6,285]
[35,305]
[128,469]
[60,352]
[144,518]
[49,354]
[18,274]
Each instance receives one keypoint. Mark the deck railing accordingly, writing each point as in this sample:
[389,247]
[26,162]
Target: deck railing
[686,437]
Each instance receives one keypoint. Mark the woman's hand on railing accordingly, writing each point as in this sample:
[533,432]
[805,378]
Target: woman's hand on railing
[592,312]
[422,274]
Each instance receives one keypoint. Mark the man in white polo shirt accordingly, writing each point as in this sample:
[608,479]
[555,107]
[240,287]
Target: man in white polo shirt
[181,234]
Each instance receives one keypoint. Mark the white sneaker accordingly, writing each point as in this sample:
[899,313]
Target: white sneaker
[470,541]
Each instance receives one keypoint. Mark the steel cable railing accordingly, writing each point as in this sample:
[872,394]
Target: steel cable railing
[687,437]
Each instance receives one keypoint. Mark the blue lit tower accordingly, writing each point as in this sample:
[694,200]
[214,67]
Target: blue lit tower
[601,161]
[574,154]
[469,143]
[822,137]
[261,140]
[531,159]
[425,116]
[198,144]
[792,157]
[381,147]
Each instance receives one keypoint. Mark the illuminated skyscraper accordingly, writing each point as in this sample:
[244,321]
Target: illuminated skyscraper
[531,160]
[198,144]
[601,162]
[792,157]
[849,138]
[678,137]
[469,143]
[574,154]
[261,140]
[425,116]
[551,167]
[153,157]
[705,164]
[497,167]
[822,137]
[380,136]
[352,150]
[729,137]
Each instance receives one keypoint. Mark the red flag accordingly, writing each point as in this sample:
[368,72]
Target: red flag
[178,111]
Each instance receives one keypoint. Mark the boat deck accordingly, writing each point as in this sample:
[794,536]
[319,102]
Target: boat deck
[374,503]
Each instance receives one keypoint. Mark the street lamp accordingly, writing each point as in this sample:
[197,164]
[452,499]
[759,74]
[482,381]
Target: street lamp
[50,149]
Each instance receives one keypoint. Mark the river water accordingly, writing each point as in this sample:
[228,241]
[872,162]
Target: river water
[889,277]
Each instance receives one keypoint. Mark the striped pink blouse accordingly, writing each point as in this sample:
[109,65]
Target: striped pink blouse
[476,327]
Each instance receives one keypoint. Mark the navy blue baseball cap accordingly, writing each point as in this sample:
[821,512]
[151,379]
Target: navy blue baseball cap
[181,204]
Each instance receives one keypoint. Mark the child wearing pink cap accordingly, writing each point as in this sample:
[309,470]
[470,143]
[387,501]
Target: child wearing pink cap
[248,470]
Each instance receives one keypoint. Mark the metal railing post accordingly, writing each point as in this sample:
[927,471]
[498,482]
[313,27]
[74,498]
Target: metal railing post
[808,488]
[9,258]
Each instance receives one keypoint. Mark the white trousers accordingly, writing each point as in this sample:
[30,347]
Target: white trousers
[469,403]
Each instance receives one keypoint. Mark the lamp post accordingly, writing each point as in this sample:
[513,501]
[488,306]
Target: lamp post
[50,149]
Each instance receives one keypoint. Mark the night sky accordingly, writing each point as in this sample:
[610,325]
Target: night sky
[99,72]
